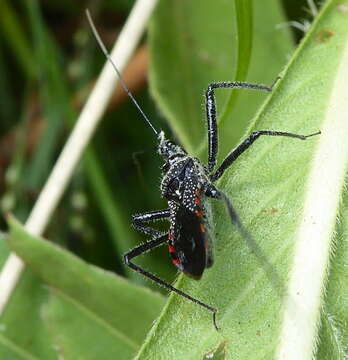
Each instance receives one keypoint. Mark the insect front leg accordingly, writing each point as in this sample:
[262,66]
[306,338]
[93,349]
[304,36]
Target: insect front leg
[137,220]
[210,109]
[247,143]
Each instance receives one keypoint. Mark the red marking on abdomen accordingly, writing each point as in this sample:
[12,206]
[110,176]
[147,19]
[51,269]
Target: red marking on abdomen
[198,213]
[170,236]
[171,249]
[197,201]
[176,261]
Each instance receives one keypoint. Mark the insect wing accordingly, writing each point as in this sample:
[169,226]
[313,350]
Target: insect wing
[190,240]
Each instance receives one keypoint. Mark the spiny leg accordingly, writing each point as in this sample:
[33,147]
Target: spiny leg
[271,274]
[210,109]
[246,144]
[137,220]
[143,248]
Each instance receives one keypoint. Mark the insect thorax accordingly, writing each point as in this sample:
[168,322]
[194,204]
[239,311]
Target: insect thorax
[182,177]
[182,174]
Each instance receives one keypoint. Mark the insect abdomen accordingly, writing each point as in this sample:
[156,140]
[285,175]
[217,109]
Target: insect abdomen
[189,244]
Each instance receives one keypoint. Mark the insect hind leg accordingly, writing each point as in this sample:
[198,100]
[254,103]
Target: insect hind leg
[148,246]
[271,274]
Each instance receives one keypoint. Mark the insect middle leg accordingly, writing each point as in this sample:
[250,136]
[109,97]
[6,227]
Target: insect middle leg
[210,108]
[247,143]
[137,220]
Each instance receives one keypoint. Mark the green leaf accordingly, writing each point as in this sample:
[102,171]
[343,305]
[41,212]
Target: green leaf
[244,24]
[53,97]
[4,250]
[267,59]
[58,112]
[185,57]
[287,193]
[333,333]
[15,35]
[107,302]
[66,318]
[22,333]
[109,207]
[189,51]
[217,354]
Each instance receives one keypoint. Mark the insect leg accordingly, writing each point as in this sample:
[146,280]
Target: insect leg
[210,109]
[246,144]
[272,275]
[141,249]
[137,220]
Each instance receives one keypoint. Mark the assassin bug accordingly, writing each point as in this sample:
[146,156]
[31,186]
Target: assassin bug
[185,184]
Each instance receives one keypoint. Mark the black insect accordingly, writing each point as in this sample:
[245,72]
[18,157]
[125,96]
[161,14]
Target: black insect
[186,184]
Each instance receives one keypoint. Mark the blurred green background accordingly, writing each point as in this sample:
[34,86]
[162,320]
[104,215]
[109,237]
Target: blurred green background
[48,63]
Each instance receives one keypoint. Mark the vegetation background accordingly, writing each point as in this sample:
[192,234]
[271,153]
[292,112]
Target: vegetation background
[48,63]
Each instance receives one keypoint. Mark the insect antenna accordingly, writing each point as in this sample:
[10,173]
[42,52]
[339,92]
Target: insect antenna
[122,82]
